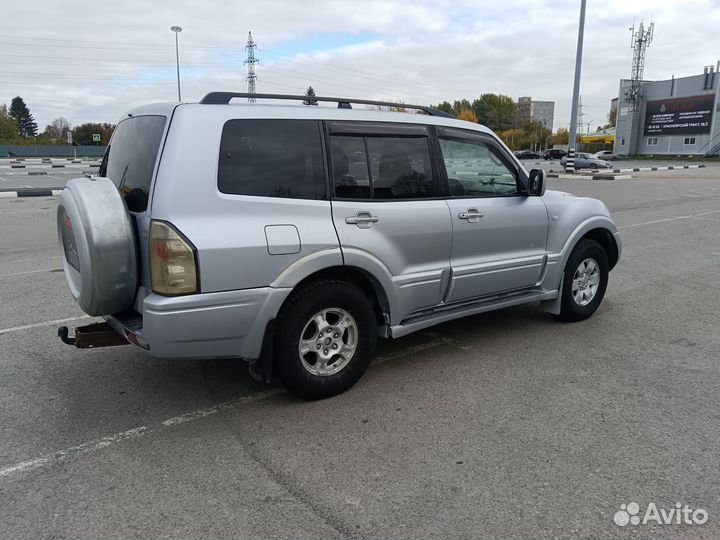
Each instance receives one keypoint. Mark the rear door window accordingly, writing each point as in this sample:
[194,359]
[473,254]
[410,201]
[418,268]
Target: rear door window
[272,158]
[130,159]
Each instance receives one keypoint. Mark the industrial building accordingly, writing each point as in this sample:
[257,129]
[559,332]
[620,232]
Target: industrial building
[538,111]
[677,116]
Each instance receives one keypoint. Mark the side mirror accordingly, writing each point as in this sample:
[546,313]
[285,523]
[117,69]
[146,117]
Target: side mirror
[537,183]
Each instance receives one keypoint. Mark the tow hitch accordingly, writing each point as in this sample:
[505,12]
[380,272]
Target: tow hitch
[92,336]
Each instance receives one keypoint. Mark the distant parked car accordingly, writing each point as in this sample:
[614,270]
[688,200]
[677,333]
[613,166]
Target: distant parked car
[554,153]
[527,154]
[587,161]
[605,154]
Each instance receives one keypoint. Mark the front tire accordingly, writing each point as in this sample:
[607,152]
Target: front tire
[585,280]
[326,337]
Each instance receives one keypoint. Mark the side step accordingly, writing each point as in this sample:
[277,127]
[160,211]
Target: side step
[449,312]
[92,336]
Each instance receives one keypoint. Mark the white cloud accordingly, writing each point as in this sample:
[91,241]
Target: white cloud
[91,61]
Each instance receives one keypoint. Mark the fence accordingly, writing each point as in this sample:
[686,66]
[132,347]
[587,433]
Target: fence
[50,150]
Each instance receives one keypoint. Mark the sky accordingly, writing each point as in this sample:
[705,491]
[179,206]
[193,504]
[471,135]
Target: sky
[93,61]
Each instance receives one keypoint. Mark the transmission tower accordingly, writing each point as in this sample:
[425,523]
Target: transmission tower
[580,114]
[638,43]
[251,61]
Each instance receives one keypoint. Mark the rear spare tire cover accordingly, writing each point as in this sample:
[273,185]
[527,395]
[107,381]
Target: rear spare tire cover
[97,246]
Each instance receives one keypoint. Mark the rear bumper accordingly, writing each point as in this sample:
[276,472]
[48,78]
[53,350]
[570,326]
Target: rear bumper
[210,325]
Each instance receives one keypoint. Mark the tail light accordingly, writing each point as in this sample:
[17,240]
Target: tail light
[173,263]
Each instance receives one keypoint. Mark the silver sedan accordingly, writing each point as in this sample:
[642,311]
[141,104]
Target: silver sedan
[587,161]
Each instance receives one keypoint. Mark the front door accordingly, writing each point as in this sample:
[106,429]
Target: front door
[386,210]
[499,233]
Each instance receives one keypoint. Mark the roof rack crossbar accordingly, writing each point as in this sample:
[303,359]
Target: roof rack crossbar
[223,98]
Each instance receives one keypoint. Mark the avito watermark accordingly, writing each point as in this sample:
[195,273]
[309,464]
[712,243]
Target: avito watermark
[681,514]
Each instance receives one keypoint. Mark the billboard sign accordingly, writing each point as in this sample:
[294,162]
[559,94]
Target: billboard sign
[679,116]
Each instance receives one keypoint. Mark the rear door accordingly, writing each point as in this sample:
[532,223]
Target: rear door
[387,209]
[499,233]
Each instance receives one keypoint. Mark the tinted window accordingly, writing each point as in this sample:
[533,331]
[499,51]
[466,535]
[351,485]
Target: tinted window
[400,168]
[474,169]
[272,158]
[130,159]
[382,168]
[350,168]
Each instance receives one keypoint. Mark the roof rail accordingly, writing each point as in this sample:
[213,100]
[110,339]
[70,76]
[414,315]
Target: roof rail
[223,98]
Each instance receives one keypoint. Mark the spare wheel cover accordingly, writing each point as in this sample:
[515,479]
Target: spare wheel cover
[97,246]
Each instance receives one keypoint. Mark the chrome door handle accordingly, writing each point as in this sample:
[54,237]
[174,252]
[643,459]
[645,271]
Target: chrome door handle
[472,215]
[363,220]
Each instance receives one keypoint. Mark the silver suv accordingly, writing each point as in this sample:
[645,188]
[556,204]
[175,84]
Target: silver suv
[294,236]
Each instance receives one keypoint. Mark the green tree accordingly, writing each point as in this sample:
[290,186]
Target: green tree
[445,106]
[25,121]
[310,93]
[9,132]
[83,133]
[496,111]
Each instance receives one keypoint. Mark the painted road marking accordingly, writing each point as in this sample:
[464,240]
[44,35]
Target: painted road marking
[74,450]
[134,433]
[41,324]
[692,216]
[29,272]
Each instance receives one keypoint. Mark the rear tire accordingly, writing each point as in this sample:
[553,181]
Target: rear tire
[326,337]
[585,280]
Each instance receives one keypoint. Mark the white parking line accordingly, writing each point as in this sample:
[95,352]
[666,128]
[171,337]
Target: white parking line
[40,324]
[29,272]
[104,442]
[32,260]
[73,450]
[669,219]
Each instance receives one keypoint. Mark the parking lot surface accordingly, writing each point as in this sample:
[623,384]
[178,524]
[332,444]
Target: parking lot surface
[506,424]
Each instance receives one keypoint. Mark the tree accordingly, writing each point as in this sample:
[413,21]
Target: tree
[58,128]
[467,114]
[512,137]
[25,121]
[83,133]
[612,117]
[445,106]
[496,111]
[310,93]
[9,132]
[561,136]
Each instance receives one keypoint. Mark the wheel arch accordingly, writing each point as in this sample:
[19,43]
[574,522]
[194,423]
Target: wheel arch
[606,239]
[362,279]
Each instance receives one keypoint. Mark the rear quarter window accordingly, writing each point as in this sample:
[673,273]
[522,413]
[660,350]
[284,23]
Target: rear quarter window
[272,158]
[130,159]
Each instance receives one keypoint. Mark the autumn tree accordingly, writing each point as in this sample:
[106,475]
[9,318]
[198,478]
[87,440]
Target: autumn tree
[310,93]
[25,121]
[612,117]
[467,114]
[561,136]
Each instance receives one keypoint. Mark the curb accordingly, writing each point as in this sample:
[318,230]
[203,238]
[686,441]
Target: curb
[669,168]
[589,177]
[38,192]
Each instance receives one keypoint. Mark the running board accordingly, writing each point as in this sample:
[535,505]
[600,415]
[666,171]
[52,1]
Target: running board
[445,313]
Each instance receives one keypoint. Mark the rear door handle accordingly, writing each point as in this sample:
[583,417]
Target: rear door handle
[472,215]
[363,220]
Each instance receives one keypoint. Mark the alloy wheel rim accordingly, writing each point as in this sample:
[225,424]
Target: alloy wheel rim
[586,281]
[328,342]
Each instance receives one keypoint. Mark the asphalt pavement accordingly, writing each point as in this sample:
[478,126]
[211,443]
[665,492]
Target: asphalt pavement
[504,425]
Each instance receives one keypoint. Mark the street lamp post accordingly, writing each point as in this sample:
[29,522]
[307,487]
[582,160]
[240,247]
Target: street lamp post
[177,30]
[570,163]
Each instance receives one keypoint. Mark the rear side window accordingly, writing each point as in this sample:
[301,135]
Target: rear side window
[381,168]
[130,159]
[272,158]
